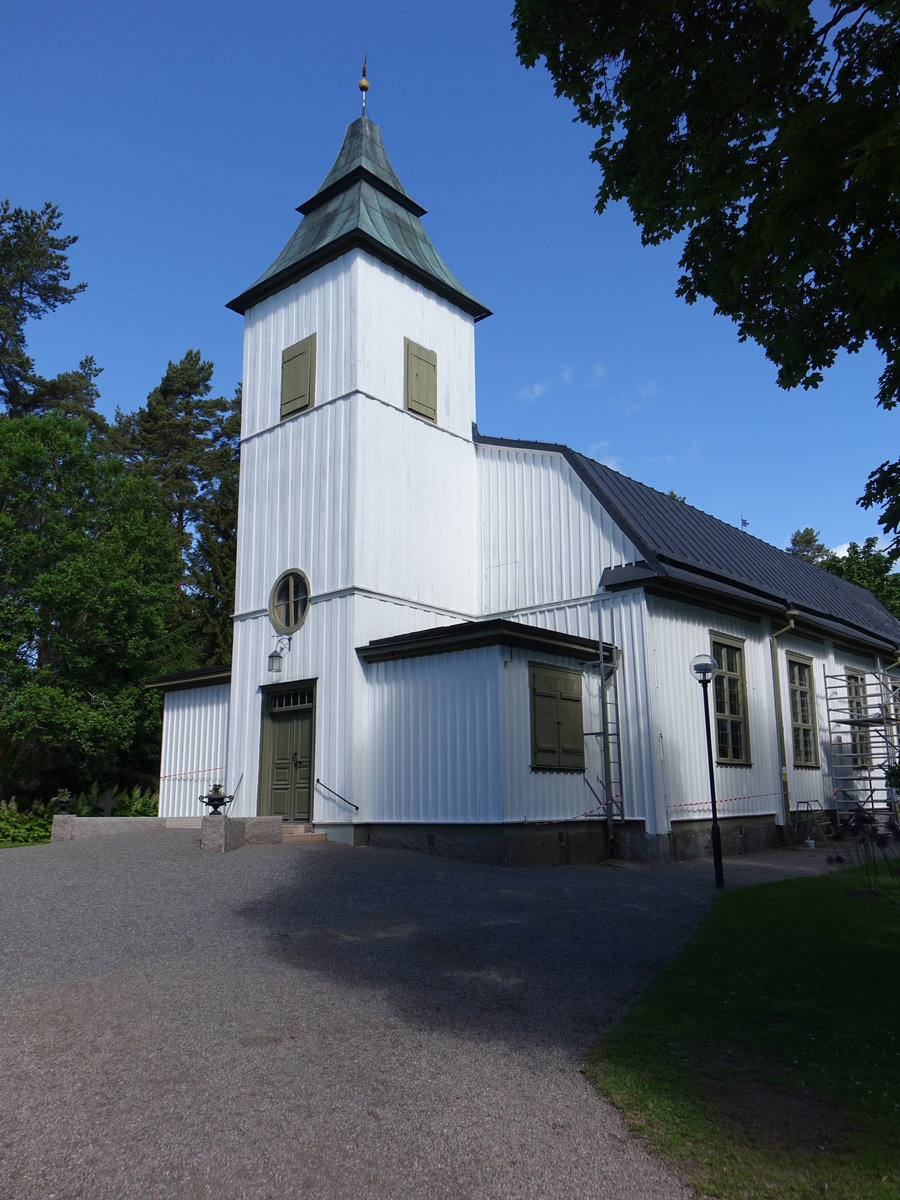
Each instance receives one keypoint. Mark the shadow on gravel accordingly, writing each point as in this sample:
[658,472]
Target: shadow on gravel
[539,955]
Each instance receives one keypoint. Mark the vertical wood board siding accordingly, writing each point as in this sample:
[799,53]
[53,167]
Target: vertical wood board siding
[360,311]
[680,632]
[194,748]
[414,526]
[807,784]
[320,304]
[534,795]
[623,621]
[319,651]
[544,537]
[434,730]
[291,517]
[391,307]
[577,618]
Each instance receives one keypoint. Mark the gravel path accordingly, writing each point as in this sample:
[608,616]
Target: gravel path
[318,1022]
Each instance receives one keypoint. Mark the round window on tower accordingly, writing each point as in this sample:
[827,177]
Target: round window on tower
[289,601]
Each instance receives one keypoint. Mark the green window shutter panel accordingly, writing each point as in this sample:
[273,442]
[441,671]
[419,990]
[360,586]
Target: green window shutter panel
[298,376]
[557,721]
[421,380]
[545,742]
[571,731]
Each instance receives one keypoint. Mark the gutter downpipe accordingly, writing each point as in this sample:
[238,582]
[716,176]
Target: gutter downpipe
[790,614]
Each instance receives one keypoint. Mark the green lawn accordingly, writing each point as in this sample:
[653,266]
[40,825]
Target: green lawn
[765,1061]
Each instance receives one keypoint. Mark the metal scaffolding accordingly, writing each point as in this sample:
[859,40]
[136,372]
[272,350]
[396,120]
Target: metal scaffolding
[864,739]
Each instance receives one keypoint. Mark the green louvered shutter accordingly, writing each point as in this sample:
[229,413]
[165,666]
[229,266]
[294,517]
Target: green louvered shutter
[421,380]
[298,376]
[557,724]
[571,722]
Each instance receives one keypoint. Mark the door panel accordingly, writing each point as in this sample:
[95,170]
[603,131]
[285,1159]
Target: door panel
[286,761]
[282,772]
[303,768]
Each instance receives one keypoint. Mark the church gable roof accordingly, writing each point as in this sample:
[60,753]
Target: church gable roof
[685,549]
[362,203]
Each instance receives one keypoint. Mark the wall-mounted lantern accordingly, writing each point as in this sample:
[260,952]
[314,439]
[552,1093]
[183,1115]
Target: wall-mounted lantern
[282,646]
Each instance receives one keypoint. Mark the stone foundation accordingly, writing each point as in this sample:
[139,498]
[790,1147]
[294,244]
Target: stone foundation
[222,833]
[551,845]
[69,828]
[573,843]
[576,843]
[693,840]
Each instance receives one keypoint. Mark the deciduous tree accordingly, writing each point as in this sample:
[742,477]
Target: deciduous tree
[767,136]
[87,572]
[871,568]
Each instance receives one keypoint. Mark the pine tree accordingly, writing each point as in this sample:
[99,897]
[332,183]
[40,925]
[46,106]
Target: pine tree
[214,553]
[805,544]
[34,273]
[187,441]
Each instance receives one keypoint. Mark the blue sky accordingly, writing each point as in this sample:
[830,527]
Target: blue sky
[178,139]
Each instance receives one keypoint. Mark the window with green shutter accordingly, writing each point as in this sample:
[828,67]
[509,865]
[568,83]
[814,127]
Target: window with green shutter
[557,722]
[298,376]
[421,380]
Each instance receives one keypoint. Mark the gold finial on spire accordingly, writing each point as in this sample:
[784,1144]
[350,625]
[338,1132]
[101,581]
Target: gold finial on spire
[364,83]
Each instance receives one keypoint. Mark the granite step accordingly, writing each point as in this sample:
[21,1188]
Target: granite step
[304,834]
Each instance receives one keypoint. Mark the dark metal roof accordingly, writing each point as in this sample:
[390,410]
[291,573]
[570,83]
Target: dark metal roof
[469,635]
[362,154]
[201,677]
[361,203]
[689,550]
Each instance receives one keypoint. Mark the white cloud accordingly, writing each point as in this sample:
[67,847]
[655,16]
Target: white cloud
[648,390]
[565,373]
[533,391]
[599,372]
[599,452]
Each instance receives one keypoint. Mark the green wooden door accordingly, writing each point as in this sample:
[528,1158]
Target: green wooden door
[286,755]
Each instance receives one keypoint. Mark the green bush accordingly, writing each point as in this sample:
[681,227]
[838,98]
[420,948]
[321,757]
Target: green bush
[34,824]
[27,828]
[139,802]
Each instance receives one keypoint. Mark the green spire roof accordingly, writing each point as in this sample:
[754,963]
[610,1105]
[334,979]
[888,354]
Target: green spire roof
[362,202]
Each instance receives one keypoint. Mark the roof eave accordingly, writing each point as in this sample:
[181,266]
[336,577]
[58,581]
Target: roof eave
[360,174]
[332,250]
[472,635]
[202,677]
[682,583]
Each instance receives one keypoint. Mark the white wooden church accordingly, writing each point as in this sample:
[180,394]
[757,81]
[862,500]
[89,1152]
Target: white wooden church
[482,646]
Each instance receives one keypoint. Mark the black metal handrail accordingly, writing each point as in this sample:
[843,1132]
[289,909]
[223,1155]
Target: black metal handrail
[319,783]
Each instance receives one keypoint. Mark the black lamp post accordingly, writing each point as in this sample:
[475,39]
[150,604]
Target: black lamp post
[704,668]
